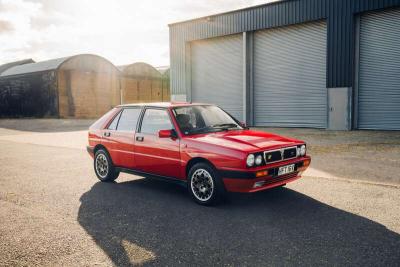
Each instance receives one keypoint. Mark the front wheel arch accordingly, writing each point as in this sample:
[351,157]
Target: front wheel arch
[194,161]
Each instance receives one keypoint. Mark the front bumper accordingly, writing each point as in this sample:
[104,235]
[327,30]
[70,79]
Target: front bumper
[250,181]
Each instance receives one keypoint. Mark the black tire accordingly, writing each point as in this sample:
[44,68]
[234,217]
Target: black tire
[103,166]
[208,192]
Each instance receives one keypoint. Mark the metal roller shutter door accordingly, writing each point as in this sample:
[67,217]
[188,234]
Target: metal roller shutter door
[217,73]
[379,71]
[290,76]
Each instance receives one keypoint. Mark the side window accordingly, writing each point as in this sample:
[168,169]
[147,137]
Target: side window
[155,120]
[113,124]
[129,119]
[186,116]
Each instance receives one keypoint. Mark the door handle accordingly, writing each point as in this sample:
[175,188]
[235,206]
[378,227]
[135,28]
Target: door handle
[107,134]
[139,138]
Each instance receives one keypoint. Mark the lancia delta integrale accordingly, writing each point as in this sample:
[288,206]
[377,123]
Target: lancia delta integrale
[198,145]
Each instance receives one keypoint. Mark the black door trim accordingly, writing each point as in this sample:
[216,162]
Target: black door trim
[152,176]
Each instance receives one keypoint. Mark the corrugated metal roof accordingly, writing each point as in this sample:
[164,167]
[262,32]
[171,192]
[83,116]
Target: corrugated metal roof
[268,3]
[140,69]
[34,67]
[162,69]
[9,65]
[122,67]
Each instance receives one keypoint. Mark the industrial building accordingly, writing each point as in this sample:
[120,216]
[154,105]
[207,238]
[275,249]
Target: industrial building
[330,64]
[141,82]
[166,93]
[165,76]
[81,86]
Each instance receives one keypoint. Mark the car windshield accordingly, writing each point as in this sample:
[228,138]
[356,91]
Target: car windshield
[204,118]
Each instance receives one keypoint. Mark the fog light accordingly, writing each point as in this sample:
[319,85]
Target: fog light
[306,163]
[261,173]
[258,184]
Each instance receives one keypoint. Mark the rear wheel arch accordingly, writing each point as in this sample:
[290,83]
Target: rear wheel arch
[100,146]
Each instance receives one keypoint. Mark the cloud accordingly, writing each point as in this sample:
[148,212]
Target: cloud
[123,31]
[16,41]
[5,26]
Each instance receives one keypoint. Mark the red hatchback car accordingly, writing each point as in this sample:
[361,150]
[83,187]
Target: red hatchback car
[198,145]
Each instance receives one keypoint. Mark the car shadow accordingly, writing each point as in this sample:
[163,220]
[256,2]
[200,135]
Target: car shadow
[156,223]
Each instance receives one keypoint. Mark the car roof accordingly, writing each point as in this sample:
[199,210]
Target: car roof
[162,104]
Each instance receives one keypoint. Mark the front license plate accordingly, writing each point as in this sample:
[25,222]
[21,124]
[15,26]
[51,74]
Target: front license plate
[286,169]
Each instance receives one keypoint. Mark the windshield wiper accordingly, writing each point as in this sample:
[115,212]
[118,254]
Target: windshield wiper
[200,130]
[225,125]
[213,128]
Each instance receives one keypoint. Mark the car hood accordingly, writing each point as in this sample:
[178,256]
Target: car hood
[247,140]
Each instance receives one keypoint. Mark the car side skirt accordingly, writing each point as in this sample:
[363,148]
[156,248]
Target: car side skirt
[152,176]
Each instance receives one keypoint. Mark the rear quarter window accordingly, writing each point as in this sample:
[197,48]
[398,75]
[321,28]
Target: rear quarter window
[113,125]
[100,123]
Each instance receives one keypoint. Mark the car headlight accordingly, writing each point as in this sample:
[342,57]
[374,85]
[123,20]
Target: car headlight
[258,160]
[250,160]
[302,150]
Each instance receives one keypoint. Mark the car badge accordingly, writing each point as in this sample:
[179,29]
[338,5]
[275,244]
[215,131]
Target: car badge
[269,156]
[282,153]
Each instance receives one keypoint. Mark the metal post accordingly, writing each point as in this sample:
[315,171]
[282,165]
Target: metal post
[354,110]
[248,111]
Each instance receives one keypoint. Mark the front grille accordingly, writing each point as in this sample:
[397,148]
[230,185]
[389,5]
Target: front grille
[282,178]
[290,153]
[273,156]
[280,154]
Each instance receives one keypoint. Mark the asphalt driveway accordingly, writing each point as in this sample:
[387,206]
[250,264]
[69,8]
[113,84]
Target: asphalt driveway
[54,212]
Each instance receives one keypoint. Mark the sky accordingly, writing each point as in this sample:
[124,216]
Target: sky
[123,31]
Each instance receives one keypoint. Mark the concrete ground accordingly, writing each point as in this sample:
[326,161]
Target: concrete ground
[53,211]
[363,155]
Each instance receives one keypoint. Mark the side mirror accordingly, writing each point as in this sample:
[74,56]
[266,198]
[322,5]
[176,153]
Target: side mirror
[167,134]
[243,124]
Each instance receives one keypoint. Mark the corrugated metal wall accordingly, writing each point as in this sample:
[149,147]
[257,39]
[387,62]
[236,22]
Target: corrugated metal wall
[379,71]
[339,13]
[30,95]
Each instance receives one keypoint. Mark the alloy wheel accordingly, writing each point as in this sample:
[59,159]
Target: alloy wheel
[202,185]
[102,165]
